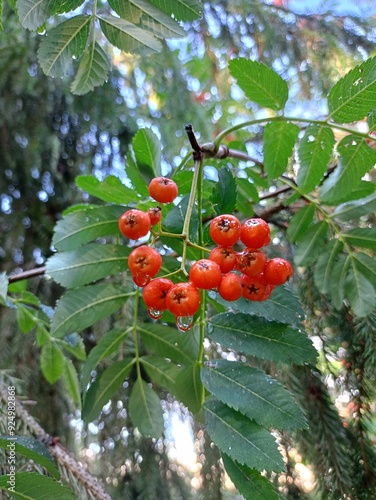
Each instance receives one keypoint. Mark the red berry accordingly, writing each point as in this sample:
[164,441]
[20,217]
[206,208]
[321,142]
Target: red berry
[205,274]
[155,215]
[134,224]
[155,293]
[183,299]
[163,190]
[144,260]
[250,262]
[230,287]
[225,230]
[255,233]
[255,288]
[277,271]
[225,257]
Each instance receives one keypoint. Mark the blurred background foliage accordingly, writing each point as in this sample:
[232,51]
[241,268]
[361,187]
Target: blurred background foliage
[49,136]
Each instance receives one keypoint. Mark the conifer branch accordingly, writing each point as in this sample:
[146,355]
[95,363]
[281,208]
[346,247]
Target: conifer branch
[69,467]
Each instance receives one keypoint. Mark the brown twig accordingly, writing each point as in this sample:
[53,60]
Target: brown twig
[31,273]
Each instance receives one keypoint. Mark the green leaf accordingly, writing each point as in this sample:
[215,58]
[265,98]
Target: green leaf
[161,371]
[309,247]
[134,175]
[223,195]
[315,151]
[353,97]
[323,274]
[71,382]
[356,159]
[111,189]
[3,288]
[87,264]
[169,343]
[279,140]
[182,10]
[34,486]
[359,292]
[242,439]
[61,43]
[26,319]
[92,71]
[33,13]
[361,237]
[147,151]
[300,222]
[128,37]
[258,337]
[353,210]
[62,6]
[249,482]
[337,282]
[86,225]
[161,24]
[189,387]
[283,306]
[145,410]
[366,265]
[104,388]
[74,344]
[83,307]
[371,121]
[259,83]
[32,449]
[51,362]
[106,346]
[247,196]
[253,393]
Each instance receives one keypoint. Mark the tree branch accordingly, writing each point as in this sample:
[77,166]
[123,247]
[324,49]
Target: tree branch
[65,460]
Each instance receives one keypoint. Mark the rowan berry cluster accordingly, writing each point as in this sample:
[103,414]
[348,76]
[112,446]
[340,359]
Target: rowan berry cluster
[234,274]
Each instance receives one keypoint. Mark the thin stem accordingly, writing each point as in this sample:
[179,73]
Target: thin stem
[134,328]
[217,141]
[188,214]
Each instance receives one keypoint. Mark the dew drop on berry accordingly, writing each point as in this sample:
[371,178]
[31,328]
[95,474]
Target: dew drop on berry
[141,279]
[184,323]
[154,313]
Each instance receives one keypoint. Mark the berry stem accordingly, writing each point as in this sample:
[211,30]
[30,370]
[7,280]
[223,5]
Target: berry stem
[188,214]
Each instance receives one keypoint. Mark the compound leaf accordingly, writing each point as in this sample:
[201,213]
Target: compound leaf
[309,247]
[34,486]
[111,189]
[92,71]
[83,307]
[145,410]
[315,150]
[83,226]
[356,159]
[87,264]
[61,43]
[259,83]
[353,97]
[128,37]
[253,393]
[250,483]
[279,140]
[242,439]
[51,362]
[258,337]
[104,387]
